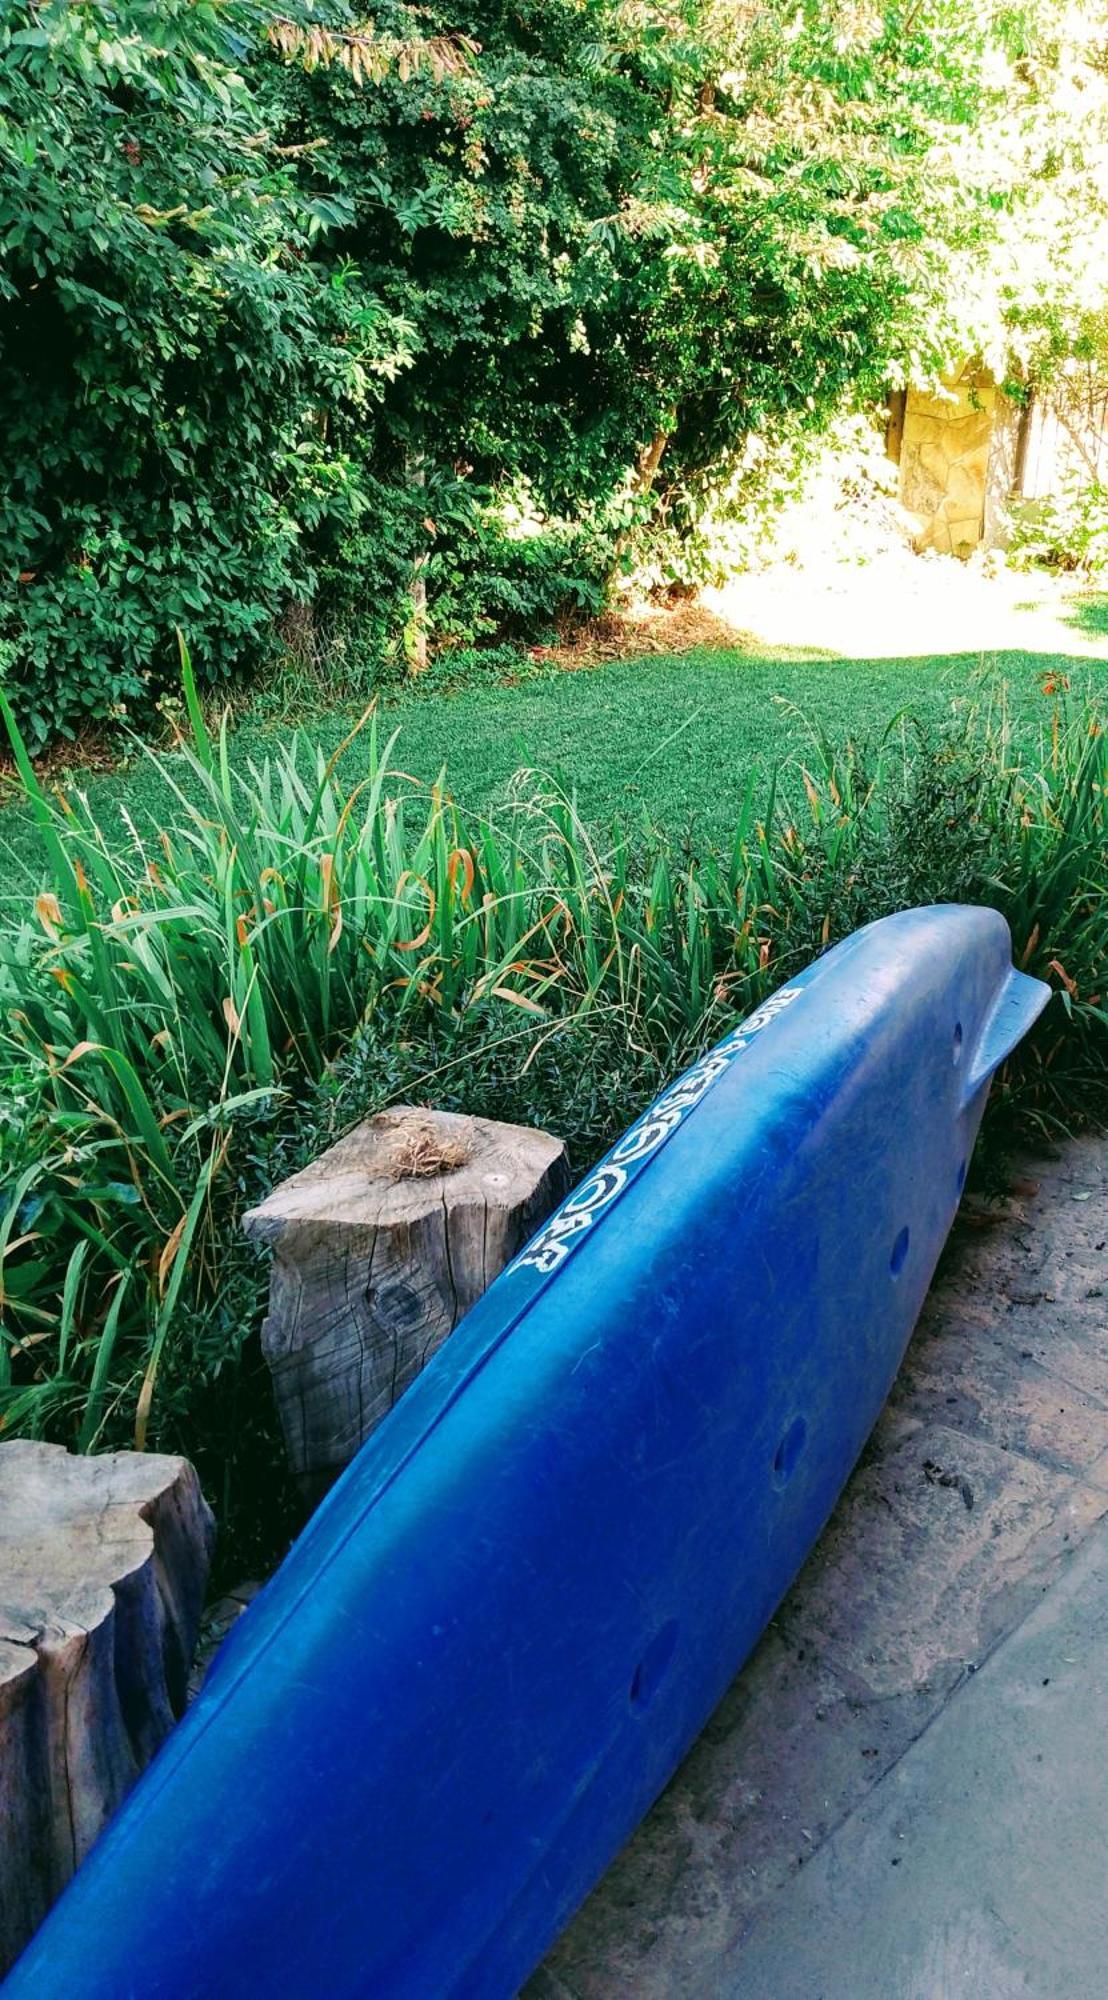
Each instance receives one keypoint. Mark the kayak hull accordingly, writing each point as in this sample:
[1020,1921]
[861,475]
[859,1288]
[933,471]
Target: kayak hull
[499,1635]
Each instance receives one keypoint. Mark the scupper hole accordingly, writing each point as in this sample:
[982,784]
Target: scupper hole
[788,1451]
[650,1672]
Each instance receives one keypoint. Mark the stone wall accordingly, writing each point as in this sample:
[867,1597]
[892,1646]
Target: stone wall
[944,461]
[1003,479]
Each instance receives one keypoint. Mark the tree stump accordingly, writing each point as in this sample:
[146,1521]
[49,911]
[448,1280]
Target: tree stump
[103,1564]
[380,1248]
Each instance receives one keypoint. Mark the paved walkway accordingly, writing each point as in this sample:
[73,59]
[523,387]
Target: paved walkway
[885,1684]
[979,1868]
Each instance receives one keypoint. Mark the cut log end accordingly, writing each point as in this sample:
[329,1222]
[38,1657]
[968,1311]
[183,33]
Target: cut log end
[103,1565]
[380,1248]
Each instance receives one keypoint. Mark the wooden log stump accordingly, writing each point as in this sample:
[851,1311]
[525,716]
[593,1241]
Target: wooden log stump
[103,1564]
[380,1248]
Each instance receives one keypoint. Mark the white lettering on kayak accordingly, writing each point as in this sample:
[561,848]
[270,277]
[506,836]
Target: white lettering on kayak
[582,1208]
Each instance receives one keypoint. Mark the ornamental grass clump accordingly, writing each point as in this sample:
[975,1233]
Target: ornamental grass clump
[171,994]
[983,816]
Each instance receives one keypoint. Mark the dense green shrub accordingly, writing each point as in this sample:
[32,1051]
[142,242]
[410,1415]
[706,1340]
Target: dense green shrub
[627,239]
[492,569]
[192,1012]
[167,347]
[296,308]
[516,584]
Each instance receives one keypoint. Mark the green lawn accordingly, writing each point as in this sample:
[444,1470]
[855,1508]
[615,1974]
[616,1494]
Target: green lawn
[674,737]
[677,737]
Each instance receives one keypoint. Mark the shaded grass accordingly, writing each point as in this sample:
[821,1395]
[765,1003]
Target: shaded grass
[671,739]
[676,738]
[1089,614]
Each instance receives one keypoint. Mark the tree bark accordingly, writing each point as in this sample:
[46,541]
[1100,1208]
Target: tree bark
[103,1565]
[650,458]
[415,472]
[1023,439]
[380,1248]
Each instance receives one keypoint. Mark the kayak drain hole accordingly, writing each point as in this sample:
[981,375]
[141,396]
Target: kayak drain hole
[650,1672]
[900,1252]
[957,1041]
[788,1451]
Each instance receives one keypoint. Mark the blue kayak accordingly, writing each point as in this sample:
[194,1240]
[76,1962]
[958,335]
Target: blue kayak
[503,1629]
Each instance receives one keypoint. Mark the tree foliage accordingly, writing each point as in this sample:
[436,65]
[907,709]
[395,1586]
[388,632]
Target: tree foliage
[1023,283]
[166,345]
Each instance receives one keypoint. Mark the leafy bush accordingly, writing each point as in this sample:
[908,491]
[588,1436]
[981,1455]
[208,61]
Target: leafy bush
[293,308]
[194,1012]
[1069,530]
[518,585]
[493,571]
[626,241]
[168,349]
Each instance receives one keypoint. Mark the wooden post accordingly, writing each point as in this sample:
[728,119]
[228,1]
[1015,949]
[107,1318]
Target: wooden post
[103,1564]
[380,1248]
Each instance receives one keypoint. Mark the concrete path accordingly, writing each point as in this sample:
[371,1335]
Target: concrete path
[979,1867]
[986,1474]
